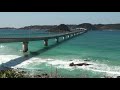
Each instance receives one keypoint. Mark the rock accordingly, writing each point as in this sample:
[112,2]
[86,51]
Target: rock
[86,60]
[45,74]
[79,64]
[72,64]
[37,76]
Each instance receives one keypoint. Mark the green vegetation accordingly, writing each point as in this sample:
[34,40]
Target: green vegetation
[11,74]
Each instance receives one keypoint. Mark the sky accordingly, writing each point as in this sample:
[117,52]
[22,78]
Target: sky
[21,19]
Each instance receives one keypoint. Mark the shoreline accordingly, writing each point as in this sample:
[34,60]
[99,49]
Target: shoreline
[6,72]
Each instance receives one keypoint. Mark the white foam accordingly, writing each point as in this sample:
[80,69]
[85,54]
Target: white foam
[2,46]
[32,62]
[6,58]
[96,66]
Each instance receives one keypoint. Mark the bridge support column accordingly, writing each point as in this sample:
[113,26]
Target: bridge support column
[25,46]
[68,36]
[57,39]
[46,42]
[73,34]
[64,37]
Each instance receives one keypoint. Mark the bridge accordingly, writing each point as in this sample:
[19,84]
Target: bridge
[25,41]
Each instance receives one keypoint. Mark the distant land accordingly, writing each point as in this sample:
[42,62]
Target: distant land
[38,27]
[55,28]
[99,26]
[8,28]
[60,28]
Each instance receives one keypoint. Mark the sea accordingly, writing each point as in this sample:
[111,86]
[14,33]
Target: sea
[100,49]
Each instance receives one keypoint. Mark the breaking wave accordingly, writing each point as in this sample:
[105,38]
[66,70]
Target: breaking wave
[61,64]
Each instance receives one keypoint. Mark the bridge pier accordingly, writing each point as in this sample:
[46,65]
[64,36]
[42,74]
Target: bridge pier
[26,40]
[68,36]
[64,37]
[57,39]
[46,42]
[25,46]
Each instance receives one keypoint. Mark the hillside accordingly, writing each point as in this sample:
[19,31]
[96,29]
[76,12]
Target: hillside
[60,28]
[108,26]
[88,26]
[7,28]
[39,27]
[99,26]
[67,28]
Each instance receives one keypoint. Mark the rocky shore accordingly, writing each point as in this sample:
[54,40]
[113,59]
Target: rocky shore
[7,72]
[18,73]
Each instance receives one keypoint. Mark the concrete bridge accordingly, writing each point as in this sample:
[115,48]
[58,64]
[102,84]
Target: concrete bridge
[25,41]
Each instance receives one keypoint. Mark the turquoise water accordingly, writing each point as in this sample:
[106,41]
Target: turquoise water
[101,48]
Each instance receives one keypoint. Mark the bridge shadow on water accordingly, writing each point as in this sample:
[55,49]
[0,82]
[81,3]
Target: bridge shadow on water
[27,56]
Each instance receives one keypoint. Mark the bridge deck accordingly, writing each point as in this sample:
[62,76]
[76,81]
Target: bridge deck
[17,39]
